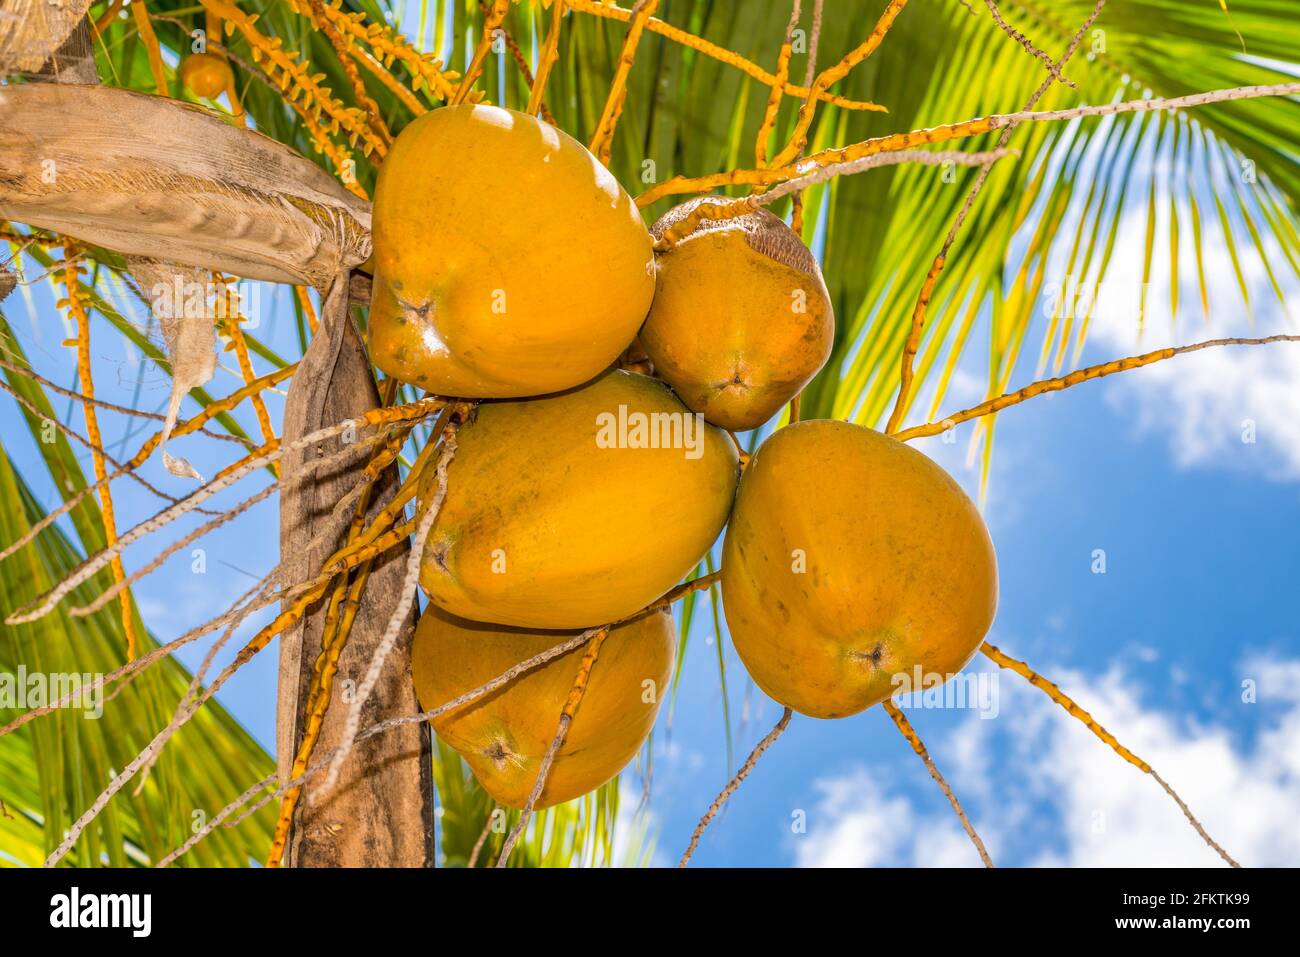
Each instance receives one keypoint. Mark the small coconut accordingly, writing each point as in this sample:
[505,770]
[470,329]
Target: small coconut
[741,319]
[206,75]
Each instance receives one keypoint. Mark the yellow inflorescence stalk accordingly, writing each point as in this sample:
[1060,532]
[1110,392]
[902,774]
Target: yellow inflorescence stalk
[231,323]
[913,345]
[389,46]
[774,98]
[373,541]
[550,53]
[108,16]
[316,13]
[310,593]
[714,212]
[841,154]
[186,426]
[583,678]
[490,25]
[914,739]
[602,142]
[212,26]
[72,285]
[308,310]
[344,31]
[340,157]
[150,41]
[265,448]
[567,713]
[712,50]
[294,77]
[734,784]
[1065,701]
[1074,378]
[810,74]
[182,428]
[827,78]
[517,55]
[378,71]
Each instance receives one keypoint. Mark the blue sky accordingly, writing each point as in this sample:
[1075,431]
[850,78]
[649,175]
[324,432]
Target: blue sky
[1199,531]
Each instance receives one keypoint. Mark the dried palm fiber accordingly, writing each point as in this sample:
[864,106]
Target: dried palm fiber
[758,227]
[32,31]
[190,339]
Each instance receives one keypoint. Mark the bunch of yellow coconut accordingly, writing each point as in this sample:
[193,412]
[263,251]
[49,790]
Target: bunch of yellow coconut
[511,267]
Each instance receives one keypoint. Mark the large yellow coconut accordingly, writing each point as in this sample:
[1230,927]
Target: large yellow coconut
[577,509]
[741,319]
[508,260]
[852,559]
[504,735]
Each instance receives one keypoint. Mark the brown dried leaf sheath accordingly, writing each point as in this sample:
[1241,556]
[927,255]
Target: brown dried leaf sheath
[31,30]
[153,177]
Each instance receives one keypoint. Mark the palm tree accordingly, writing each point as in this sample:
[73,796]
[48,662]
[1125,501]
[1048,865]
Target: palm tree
[123,170]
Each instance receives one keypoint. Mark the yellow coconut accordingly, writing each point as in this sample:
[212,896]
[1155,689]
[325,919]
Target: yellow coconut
[851,561]
[508,261]
[577,509]
[741,318]
[504,735]
[206,75]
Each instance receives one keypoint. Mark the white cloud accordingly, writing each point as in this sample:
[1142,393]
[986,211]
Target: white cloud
[856,823]
[1205,402]
[1103,810]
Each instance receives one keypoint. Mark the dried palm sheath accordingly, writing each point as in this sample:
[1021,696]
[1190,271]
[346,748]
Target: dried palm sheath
[31,31]
[153,177]
[381,813]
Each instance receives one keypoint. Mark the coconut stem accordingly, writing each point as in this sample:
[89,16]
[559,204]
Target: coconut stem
[1074,378]
[733,784]
[603,140]
[1052,691]
[913,343]
[918,746]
